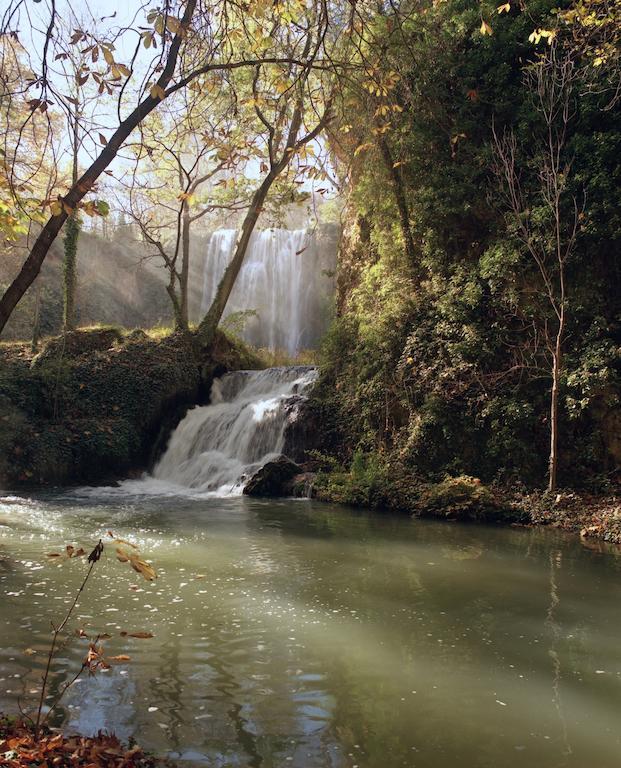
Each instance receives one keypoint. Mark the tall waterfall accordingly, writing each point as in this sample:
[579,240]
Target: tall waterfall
[285,279]
[217,447]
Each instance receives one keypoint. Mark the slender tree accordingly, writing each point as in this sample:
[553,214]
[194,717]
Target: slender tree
[545,215]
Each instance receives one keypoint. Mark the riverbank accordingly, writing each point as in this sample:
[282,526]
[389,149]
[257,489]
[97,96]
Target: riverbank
[20,749]
[463,498]
[98,404]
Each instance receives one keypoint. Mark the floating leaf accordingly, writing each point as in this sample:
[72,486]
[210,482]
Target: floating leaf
[139,635]
[140,566]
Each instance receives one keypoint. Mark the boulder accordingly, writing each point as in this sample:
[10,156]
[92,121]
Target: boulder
[273,479]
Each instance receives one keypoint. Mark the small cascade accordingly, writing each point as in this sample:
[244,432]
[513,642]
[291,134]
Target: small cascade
[285,280]
[217,447]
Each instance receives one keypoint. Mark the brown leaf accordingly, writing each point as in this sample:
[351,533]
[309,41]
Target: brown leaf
[140,566]
[129,544]
[121,657]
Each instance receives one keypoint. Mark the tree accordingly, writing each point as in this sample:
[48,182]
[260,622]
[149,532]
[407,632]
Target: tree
[544,215]
[292,105]
[196,38]
[192,143]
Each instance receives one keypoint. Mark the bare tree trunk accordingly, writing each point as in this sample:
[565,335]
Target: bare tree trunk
[185,267]
[209,324]
[48,234]
[402,204]
[72,234]
[36,323]
[70,271]
[554,403]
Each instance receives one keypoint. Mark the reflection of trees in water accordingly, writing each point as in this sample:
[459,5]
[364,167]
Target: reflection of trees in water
[225,682]
[168,687]
[554,627]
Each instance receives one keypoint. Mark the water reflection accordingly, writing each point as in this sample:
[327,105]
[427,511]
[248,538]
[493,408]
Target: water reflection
[290,633]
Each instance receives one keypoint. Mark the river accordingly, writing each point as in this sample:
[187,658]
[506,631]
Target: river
[290,633]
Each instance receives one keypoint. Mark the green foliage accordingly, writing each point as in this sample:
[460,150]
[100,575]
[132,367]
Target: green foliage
[442,366]
[95,404]
[463,498]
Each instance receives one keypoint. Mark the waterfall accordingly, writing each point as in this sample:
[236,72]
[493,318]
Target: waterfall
[285,281]
[217,447]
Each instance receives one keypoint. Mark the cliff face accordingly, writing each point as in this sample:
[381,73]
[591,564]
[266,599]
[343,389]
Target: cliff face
[425,372]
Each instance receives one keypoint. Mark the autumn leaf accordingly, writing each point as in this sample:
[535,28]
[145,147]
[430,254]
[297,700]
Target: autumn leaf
[128,543]
[157,92]
[143,568]
[121,657]
[138,635]
[504,8]
[121,555]
[485,28]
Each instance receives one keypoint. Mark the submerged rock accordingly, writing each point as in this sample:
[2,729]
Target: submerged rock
[274,478]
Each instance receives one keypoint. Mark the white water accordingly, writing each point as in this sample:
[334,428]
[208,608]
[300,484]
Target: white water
[217,447]
[283,280]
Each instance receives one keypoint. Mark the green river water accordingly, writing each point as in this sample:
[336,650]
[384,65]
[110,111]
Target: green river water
[289,633]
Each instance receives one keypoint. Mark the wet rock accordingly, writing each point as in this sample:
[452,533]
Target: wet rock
[273,479]
[300,486]
[302,432]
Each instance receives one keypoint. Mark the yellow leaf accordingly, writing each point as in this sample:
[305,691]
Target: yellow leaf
[157,92]
[362,148]
[485,28]
[505,8]
[108,56]
[56,208]
[140,566]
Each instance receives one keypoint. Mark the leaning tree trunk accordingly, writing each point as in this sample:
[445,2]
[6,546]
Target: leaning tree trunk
[32,266]
[209,324]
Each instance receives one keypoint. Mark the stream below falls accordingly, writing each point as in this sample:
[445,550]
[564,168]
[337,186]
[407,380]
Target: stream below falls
[290,633]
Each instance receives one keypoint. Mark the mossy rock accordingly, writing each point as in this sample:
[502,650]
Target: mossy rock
[464,498]
[77,343]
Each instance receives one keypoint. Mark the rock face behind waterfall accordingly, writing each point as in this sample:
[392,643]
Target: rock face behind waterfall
[285,288]
[217,448]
